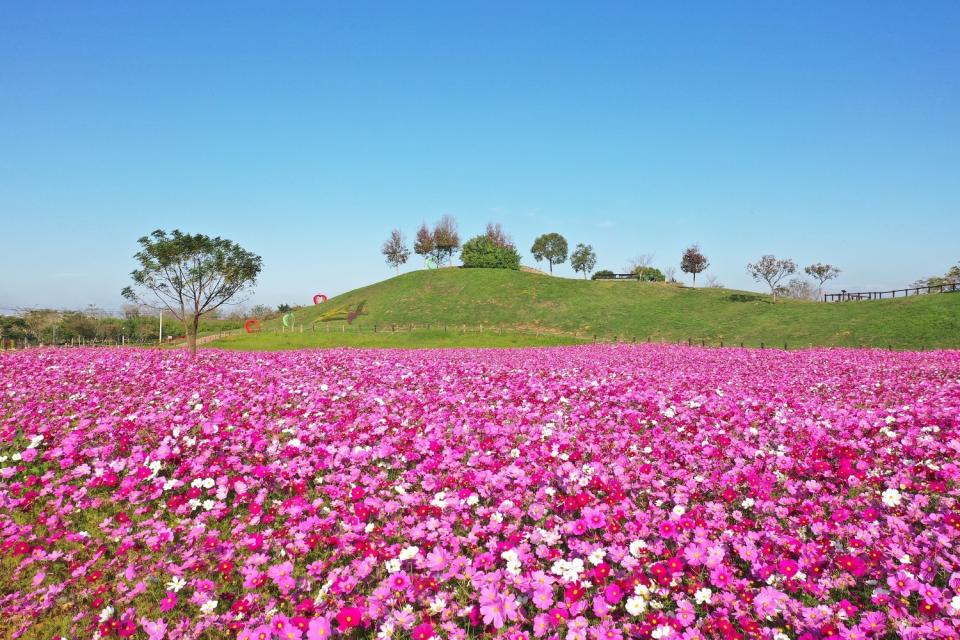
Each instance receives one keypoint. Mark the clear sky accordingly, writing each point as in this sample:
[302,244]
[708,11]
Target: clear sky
[821,131]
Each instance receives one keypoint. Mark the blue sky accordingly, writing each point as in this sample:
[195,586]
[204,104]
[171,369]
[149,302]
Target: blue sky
[820,131]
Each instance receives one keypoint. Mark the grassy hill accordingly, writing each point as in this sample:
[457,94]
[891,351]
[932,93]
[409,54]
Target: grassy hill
[564,310]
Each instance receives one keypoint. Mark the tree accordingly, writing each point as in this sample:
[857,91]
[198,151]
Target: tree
[640,264]
[799,289]
[423,245]
[483,252]
[771,270]
[190,276]
[395,250]
[583,259]
[693,261]
[445,238]
[499,237]
[260,311]
[283,307]
[670,273]
[551,247]
[821,273]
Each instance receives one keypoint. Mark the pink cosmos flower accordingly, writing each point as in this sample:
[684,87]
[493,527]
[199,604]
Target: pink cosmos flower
[168,602]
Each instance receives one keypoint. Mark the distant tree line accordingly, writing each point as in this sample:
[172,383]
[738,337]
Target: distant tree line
[495,249]
[132,324]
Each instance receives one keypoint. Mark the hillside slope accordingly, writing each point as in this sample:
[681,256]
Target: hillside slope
[638,310]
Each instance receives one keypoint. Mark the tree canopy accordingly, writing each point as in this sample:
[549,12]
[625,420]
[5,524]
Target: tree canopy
[191,275]
[551,247]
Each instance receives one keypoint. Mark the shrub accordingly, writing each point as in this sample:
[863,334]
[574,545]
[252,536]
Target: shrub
[649,274]
[483,252]
[603,273]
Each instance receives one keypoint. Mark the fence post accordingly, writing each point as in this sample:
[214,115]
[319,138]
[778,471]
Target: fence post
[761,345]
[689,342]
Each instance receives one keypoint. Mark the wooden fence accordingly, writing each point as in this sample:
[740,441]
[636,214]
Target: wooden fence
[845,296]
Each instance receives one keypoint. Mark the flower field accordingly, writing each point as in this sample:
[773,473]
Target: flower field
[598,492]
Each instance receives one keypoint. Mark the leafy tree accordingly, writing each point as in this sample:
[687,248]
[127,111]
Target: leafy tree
[190,276]
[602,274]
[771,270]
[484,252]
[821,273]
[445,238]
[284,308]
[693,261]
[583,259]
[395,250]
[423,245]
[551,247]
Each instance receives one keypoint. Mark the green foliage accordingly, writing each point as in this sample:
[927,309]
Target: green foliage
[484,252]
[583,259]
[649,274]
[551,247]
[603,273]
[284,308]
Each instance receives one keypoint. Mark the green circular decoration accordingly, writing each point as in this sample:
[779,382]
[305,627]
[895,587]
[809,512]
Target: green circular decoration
[429,261]
[288,320]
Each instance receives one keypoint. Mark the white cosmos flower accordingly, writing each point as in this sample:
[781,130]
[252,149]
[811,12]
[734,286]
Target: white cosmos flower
[703,596]
[176,583]
[409,552]
[393,565]
[106,613]
[208,607]
[636,605]
[891,497]
[597,556]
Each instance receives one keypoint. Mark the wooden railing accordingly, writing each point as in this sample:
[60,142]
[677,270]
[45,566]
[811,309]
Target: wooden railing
[844,296]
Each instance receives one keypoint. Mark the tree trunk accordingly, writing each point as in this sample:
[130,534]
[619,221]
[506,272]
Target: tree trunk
[192,335]
[551,266]
[694,278]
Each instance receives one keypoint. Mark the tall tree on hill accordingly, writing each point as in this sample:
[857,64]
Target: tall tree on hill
[693,261]
[395,250]
[191,276]
[446,240]
[583,259]
[551,247]
[771,270]
[821,273]
[423,245]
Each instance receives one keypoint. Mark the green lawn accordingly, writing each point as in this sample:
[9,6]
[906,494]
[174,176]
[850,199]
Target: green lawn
[624,311]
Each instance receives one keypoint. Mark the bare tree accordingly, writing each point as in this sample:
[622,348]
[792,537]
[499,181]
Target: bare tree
[640,264]
[670,273]
[821,273]
[693,261]
[799,289]
[713,283]
[498,236]
[771,270]
[395,250]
